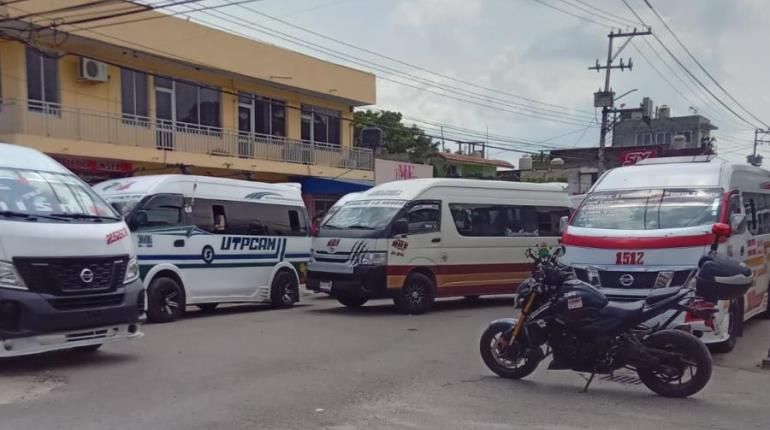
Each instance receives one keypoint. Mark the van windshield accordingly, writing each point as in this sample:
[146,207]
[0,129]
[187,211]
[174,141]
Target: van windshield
[364,214]
[650,209]
[46,196]
[124,203]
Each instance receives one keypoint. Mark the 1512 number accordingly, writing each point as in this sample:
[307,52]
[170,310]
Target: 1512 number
[629,257]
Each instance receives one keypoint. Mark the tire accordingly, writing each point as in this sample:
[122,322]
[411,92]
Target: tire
[284,291]
[695,352]
[416,296]
[165,300]
[490,355]
[207,307]
[351,300]
[88,349]
[733,330]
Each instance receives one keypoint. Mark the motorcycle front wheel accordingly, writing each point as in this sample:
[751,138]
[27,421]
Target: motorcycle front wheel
[513,361]
[683,371]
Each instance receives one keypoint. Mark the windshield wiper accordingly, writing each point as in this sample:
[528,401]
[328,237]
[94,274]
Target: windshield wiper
[85,216]
[30,217]
[360,227]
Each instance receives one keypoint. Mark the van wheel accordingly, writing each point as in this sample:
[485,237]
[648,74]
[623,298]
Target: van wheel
[733,330]
[165,300]
[284,291]
[416,296]
[207,307]
[351,300]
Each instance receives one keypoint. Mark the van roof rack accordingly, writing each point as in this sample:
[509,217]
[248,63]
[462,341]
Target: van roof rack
[680,159]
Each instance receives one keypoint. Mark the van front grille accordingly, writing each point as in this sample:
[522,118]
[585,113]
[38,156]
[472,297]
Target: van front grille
[72,276]
[90,302]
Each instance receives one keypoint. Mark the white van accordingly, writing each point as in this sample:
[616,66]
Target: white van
[68,272]
[419,239]
[204,241]
[646,226]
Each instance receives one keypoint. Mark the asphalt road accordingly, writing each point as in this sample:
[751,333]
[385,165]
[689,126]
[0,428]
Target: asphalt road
[321,366]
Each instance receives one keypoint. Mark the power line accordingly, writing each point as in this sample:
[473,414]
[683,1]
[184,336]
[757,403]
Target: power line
[679,62]
[609,14]
[660,18]
[404,63]
[622,22]
[584,18]
[147,8]
[479,100]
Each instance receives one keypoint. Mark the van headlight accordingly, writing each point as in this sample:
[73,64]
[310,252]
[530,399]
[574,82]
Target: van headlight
[132,271]
[9,277]
[374,258]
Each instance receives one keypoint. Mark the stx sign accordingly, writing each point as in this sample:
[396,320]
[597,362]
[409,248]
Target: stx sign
[635,155]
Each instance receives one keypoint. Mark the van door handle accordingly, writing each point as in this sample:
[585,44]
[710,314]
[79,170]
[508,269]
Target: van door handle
[179,243]
[435,240]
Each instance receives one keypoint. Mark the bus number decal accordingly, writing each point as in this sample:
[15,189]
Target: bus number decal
[629,257]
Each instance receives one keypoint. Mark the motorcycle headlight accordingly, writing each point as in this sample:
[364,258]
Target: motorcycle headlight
[374,258]
[132,271]
[9,277]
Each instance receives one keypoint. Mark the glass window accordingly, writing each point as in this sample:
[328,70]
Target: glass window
[193,104]
[424,218]
[278,118]
[186,102]
[209,107]
[249,219]
[649,209]
[160,210]
[133,93]
[42,79]
[262,115]
[480,220]
[320,125]
[34,193]
[757,207]
[364,215]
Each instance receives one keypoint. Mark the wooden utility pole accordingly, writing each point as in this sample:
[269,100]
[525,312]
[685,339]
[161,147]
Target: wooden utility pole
[605,99]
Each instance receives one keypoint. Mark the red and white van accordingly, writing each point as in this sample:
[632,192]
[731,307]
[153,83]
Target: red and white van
[646,226]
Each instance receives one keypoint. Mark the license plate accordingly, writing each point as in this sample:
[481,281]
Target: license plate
[326,286]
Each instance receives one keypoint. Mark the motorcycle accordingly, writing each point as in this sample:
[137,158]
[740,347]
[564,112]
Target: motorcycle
[585,332]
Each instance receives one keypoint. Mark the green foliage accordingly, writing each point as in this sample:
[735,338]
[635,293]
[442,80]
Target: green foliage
[397,138]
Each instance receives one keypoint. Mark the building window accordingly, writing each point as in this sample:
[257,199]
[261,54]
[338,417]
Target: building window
[687,137]
[261,115]
[133,93]
[644,139]
[320,125]
[42,81]
[187,103]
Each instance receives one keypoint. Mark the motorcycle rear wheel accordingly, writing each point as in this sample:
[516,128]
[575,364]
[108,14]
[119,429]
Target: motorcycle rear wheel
[694,365]
[513,362]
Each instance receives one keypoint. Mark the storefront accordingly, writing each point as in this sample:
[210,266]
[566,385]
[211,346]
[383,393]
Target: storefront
[95,170]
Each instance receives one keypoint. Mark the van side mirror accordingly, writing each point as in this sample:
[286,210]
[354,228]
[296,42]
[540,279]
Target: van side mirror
[138,219]
[400,226]
[738,222]
[563,223]
[721,231]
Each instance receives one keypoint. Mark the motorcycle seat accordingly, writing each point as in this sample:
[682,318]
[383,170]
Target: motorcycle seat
[623,310]
[661,294]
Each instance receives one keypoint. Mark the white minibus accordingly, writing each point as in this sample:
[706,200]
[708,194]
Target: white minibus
[204,240]
[646,226]
[419,239]
[69,278]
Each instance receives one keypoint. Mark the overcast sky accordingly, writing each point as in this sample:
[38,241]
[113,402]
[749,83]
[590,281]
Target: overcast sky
[523,48]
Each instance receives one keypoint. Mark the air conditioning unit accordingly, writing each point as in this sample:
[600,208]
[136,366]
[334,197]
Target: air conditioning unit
[92,70]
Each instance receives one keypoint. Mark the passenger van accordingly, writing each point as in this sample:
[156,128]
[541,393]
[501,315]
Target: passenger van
[69,277]
[204,241]
[646,226]
[416,240]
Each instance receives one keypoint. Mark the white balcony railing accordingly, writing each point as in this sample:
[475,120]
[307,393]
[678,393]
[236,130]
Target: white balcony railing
[34,118]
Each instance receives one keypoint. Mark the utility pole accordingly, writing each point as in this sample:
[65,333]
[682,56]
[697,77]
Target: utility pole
[606,99]
[760,136]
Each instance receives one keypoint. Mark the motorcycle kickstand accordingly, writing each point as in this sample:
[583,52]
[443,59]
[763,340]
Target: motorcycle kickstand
[588,382]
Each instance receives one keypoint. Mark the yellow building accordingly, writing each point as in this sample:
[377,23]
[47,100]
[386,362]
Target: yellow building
[146,93]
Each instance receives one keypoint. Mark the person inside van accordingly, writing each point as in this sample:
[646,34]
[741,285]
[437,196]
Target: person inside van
[219,223]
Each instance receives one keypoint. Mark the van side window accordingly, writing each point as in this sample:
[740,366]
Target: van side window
[161,210]
[294,221]
[220,220]
[488,220]
[424,217]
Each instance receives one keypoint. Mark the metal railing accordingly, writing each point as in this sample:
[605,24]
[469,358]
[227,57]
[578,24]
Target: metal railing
[53,120]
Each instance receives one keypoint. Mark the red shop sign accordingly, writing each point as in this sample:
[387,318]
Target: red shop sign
[633,156]
[92,165]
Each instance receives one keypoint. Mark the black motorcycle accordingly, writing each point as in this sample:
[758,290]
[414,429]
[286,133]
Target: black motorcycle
[585,332]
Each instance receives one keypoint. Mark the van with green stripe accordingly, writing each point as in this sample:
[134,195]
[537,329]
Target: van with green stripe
[204,241]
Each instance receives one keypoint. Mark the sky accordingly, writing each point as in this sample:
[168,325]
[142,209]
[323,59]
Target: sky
[517,70]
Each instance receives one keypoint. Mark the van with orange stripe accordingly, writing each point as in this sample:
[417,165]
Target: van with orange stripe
[646,226]
[419,239]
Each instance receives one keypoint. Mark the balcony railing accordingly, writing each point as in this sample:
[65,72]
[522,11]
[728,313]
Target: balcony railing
[56,121]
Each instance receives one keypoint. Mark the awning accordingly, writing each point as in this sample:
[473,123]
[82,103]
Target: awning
[313,185]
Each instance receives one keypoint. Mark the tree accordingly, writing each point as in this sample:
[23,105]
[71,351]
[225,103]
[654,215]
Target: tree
[397,138]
